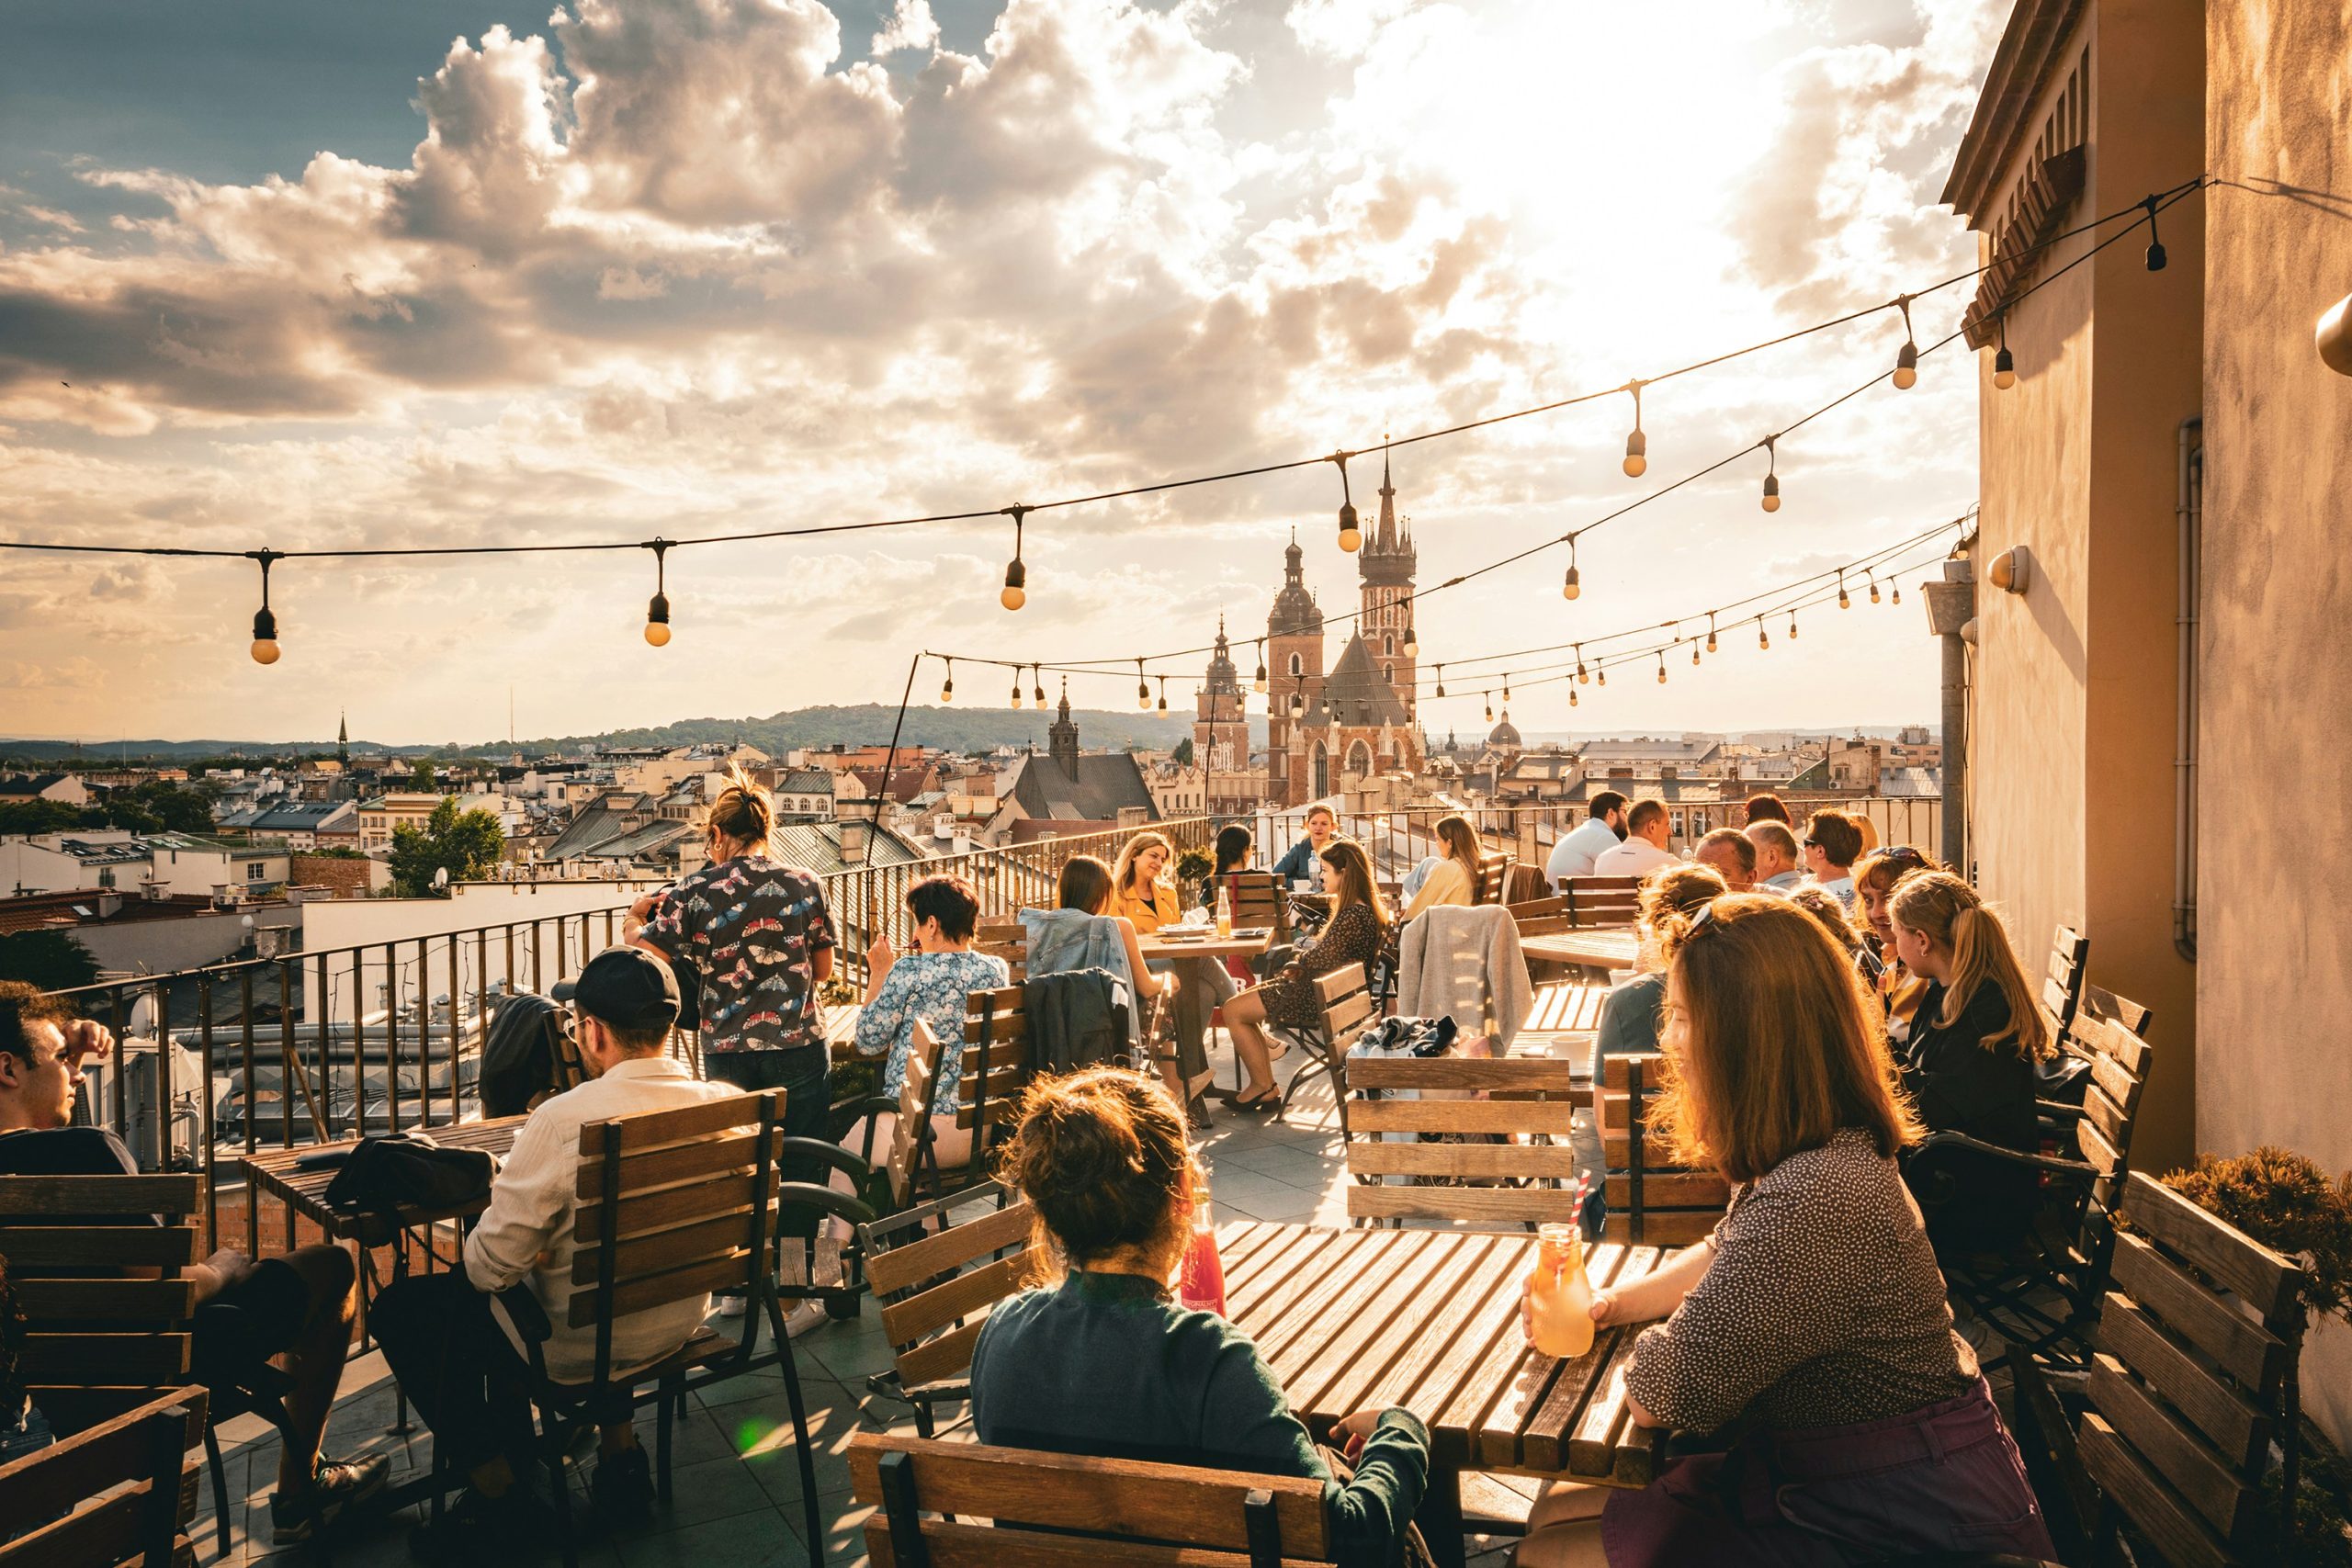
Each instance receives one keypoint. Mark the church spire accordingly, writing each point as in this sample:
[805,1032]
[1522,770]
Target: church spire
[1386,538]
[341,738]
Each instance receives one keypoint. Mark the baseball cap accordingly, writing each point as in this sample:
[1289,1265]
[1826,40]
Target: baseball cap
[624,986]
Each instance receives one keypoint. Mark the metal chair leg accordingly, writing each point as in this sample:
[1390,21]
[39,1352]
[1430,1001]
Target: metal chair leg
[220,1488]
[673,1396]
[800,1432]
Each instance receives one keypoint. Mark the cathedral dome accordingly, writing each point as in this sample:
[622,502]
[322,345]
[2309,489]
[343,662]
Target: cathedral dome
[1295,612]
[1505,734]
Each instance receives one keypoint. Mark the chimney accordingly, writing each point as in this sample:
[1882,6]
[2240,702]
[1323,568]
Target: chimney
[856,835]
[224,897]
[110,905]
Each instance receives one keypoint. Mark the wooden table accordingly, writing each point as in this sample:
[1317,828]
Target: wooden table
[1357,1319]
[1157,947]
[1597,950]
[272,1173]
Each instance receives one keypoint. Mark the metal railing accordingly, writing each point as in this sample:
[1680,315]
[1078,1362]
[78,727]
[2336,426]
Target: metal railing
[301,1048]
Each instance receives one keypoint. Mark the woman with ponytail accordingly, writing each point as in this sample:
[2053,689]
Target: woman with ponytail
[1100,1360]
[1969,1061]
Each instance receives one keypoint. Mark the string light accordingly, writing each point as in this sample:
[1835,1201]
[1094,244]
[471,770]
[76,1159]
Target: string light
[1843,602]
[1490,706]
[1661,669]
[1572,697]
[1037,674]
[1163,694]
[1016,686]
[1412,643]
[1350,536]
[1506,691]
[1572,588]
[1906,358]
[1710,631]
[2004,368]
[1898,593]
[1763,640]
[1695,651]
[1637,445]
[1771,474]
[947,687]
[1259,685]
[2155,246]
[1873,577]
[1299,699]
[1604,674]
[1143,687]
[657,612]
[1016,575]
[1792,626]
[1440,679]
[1581,674]
[264,646]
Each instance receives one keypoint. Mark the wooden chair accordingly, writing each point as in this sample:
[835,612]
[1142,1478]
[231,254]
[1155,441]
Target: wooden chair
[1513,1174]
[2061,978]
[671,1205]
[124,1485]
[2193,1380]
[101,1339]
[1258,900]
[1596,901]
[2065,1250]
[935,1285]
[1664,1204]
[1008,940]
[928,1497]
[1348,1011]
[1493,876]
[1525,882]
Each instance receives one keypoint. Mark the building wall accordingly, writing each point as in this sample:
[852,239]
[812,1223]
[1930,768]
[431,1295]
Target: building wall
[2275,932]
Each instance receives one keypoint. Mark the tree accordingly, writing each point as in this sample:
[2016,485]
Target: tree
[43,817]
[51,960]
[1183,752]
[467,844]
[421,773]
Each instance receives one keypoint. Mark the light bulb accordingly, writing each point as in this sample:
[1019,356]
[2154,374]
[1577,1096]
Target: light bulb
[1762,641]
[1694,653]
[1037,674]
[1771,492]
[657,621]
[2005,370]
[1143,687]
[1906,365]
[1412,644]
[1571,588]
[1572,697]
[1016,688]
[1440,679]
[1016,583]
[1898,593]
[2155,246]
[1350,536]
[264,650]
[1843,602]
[1637,454]
[1792,626]
[1604,674]
[1873,590]
[1661,669]
[1506,691]
[1490,707]
[948,690]
[1711,636]
[1297,703]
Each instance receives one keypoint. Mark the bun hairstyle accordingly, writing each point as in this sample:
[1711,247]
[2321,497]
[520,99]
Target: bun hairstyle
[743,812]
[1234,843]
[1671,898]
[1356,886]
[1103,1157]
[1823,906]
[1084,883]
[1948,912]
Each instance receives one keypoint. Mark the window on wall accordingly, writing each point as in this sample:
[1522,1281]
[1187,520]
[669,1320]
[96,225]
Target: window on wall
[1298,665]
[1390,647]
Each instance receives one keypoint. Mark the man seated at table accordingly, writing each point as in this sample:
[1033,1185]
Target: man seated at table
[298,1306]
[1299,863]
[1602,829]
[448,1340]
[1647,834]
[1731,853]
[1776,856]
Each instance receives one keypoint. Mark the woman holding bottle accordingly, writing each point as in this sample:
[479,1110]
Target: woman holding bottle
[1359,926]
[1144,893]
[1813,1314]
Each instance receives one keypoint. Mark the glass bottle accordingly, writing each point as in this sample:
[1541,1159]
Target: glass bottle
[1561,1296]
[1200,1287]
[1224,914]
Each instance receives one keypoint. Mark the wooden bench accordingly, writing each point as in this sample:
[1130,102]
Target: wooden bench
[2198,1342]
[1602,901]
[928,1497]
[935,1285]
[1664,1204]
[1518,1171]
[2061,978]
[125,1487]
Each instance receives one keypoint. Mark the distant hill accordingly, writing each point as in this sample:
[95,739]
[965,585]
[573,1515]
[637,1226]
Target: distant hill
[952,729]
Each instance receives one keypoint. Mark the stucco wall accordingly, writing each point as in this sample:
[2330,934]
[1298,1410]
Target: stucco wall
[2275,926]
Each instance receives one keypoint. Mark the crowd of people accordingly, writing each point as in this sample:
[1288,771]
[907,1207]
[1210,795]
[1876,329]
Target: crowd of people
[1827,1004]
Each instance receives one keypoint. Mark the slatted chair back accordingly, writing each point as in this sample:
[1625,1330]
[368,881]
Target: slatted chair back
[1258,900]
[1518,1110]
[2119,1064]
[1664,1204]
[910,1134]
[1525,883]
[928,1497]
[69,1241]
[1493,876]
[996,1060]
[674,1205]
[2198,1338]
[2061,978]
[936,1285]
[126,1484]
[2101,1003]
[1348,1009]
[1602,900]
[1543,916]
[1008,940]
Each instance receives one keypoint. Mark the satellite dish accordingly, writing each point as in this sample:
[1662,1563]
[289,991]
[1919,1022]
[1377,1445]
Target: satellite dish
[441,877]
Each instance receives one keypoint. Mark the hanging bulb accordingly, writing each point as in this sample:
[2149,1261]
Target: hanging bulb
[1016,686]
[2005,369]
[1350,536]
[1299,701]
[1710,631]
[1771,473]
[1440,679]
[1506,691]
[264,643]
[1771,492]
[1573,587]
[2155,246]
[1906,358]
[1873,577]
[1143,687]
[1163,694]
[1581,674]
[1412,643]
[1843,602]
[1491,706]
[1572,697]
[1898,593]
[1694,653]
[1792,626]
[1637,445]
[947,687]
[1259,685]
[1016,575]
[1037,674]
[1761,639]
[657,612]
[1661,669]
[1604,674]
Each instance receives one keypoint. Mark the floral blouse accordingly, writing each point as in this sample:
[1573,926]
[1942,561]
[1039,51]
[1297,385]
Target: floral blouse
[932,986]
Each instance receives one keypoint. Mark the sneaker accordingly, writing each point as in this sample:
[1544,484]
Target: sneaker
[476,1528]
[337,1486]
[730,1306]
[804,1316]
[622,1487]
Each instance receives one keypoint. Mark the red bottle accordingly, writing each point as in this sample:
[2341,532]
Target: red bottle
[1201,1286]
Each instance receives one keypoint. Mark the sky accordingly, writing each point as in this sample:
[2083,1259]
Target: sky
[289,275]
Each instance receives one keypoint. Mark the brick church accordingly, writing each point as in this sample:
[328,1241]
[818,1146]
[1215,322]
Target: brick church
[1353,720]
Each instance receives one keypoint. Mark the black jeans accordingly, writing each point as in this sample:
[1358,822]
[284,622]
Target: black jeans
[805,1074]
[462,1373]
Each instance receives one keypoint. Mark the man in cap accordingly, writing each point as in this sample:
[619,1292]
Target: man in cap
[447,1337]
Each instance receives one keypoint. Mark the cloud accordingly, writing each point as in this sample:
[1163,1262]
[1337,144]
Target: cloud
[911,26]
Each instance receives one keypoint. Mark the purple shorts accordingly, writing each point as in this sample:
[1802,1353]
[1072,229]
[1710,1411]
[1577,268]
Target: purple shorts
[1945,1478]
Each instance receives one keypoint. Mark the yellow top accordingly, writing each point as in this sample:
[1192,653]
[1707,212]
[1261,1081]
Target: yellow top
[1448,883]
[1149,911]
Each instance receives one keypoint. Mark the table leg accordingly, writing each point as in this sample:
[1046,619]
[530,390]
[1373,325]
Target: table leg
[1440,1515]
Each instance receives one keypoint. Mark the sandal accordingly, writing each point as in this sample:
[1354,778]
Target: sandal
[1270,1101]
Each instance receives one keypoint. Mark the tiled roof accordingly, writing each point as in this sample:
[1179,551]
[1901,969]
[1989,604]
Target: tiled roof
[1107,784]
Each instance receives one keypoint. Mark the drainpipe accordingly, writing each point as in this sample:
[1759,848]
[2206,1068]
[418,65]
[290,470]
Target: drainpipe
[1951,609]
[2188,519]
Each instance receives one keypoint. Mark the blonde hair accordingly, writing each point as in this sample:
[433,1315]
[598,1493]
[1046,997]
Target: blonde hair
[1782,1047]
[1461,843]
[1356,886]
[1123,871]
[742,812]
[1672,897]
[1948,912]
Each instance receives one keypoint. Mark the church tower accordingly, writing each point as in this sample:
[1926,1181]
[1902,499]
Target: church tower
[1295,691]
[1221,726]
[343,740]
[1061,738]
[1386,564]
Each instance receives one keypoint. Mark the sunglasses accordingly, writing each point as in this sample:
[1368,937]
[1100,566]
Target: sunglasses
[1903,854]
[1703,920]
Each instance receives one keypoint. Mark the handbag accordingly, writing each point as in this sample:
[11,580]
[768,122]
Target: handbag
[406,1170]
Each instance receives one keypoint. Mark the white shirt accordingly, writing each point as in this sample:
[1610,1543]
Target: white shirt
[1783,882]
[1634,857]
[525,1233]
[1574,855]
[1840,888]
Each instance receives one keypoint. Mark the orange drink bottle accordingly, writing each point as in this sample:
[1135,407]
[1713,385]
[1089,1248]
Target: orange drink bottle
[1563,1296]
[1225,914]
[1201,1286]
